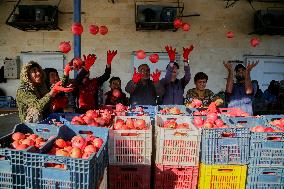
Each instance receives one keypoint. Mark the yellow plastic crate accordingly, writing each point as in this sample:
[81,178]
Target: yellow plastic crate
[222,176]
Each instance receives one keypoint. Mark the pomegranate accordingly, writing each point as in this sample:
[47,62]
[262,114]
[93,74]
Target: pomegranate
[116,93]
[140,124]
[129,123]
[28,142]
[65,47]
[93,29]
[254,42]
[98,142]
[33,136]
[177,23]
[230,34]
[185,27]
[79,142]
[198,121]
[77,28]
[90,149]
[219,123]
[60,143]
[269,129]
[196,103]
[103,30]
[140,54]
[68,149]
[207,125]
[175,111]
[76,153]
[22,147]
[212,117]
[62,152]
[91,113]
[86,155]
[18,136]
[15,144]
[154,58]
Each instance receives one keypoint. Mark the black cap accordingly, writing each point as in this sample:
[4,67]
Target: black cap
[175,64]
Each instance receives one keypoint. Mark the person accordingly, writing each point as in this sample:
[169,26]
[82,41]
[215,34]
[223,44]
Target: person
[33,97]
[60,101]
[258,103]
[241,93]
[173,88]
[142,90]
[87,90]
[115,95]
[271,95]
[206,96]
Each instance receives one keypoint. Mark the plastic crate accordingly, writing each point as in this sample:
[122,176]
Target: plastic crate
[264,178]
[55,118]
[182,108]
[237,112]
[178,147]
[266,148]
[12,169]
[225,146]
[7,102]
[222,176]
[129,176]
[79,173]
[131,147]
[176,177]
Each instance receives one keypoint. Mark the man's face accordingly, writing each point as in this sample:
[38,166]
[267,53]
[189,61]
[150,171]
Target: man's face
[115,84]
[175,72]
[35,75]
[53,78]
[240,74]
[145,70]
[201,84]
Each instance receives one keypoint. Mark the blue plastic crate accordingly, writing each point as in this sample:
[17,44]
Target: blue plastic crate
[55,117]
[148,110]
[269,118]
[79,173]
[225,146]
[12,169]
[265,178]
[7,102]
[181,107]
[266,148]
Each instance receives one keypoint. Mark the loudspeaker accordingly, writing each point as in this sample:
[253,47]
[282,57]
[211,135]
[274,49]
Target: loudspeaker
[269,22]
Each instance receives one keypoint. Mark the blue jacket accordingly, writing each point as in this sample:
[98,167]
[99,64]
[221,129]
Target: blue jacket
[173,91]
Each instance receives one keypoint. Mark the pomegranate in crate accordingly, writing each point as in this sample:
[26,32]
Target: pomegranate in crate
[130,141]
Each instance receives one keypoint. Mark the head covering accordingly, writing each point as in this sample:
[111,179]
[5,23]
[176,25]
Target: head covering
[239,66]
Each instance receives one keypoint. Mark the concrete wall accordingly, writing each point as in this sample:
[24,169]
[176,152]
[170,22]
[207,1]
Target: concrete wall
[208,34]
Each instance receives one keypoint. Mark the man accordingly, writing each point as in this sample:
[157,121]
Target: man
[142,90]
[241,93]
[172,87]
[115,95]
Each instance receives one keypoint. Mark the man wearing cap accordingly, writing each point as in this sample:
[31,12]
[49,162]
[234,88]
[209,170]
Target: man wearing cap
[173,88]
[241,93]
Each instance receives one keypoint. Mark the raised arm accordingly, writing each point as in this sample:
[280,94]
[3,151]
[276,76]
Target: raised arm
[230,78]
[248,83]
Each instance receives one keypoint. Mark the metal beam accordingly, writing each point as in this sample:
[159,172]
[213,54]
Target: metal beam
[77,38]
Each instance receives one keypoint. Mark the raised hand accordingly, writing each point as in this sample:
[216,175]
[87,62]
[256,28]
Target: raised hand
[89,61]
[186,52]
[156,76]
[58,88]
[137,76]
[250,66]
[110,55]
[171,52]
[228,66]
[68,68]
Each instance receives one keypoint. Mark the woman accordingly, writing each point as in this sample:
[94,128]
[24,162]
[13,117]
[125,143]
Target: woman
[200,92]
[33,97]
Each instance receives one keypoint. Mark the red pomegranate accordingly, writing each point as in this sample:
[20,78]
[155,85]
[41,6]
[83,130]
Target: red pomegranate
[140,54]
[65,47]
[103,30]
[185,27]
[77,28]
[254,42]
[177,23]
[154,58]
[93,29]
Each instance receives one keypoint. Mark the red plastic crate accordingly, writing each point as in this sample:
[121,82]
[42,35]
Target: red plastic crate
[176,177]
[129,176]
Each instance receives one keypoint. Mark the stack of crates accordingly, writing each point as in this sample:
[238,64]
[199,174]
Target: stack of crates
[266,168]
[77,172]
[225,154]
[12,162]
[130,153]
[177,154]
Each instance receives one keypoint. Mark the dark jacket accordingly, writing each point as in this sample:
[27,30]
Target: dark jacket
[173,91]
[111,100]
[142,93]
